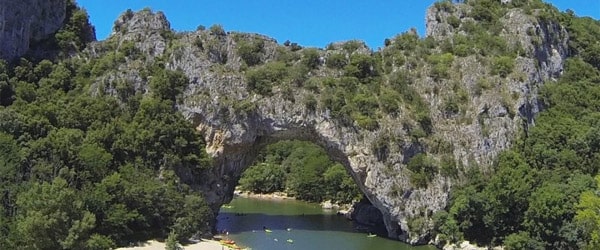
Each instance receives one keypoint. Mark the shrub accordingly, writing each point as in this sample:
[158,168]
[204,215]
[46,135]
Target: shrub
[451,107]
[261,80]
[311,58]
[352,46]
[217,30]
[423,170]
[454,21]
[361,66]
[440,65]
[251,51]
[503,65]
[336,61]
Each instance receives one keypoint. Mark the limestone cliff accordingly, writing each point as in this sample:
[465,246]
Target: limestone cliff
[237,122]
[25,22]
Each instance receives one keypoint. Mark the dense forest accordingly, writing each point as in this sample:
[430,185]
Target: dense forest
[542,194]
[81,170]
[86,169]
[302,170]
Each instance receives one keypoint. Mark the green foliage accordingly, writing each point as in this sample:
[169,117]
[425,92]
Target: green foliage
[251,51]
[52,217]
[583,39]
[423,170]
[263,178]
[453,21]
[172,243]
[588,216]
[336,61]
[361,66]
[262,79]
[503,65]
[531,200]
[168,85]
[352,46]
[522,240]
[302,170]
[441,64]
[406,41]
[80,171]
[217,30]
[311,58]
[76,32]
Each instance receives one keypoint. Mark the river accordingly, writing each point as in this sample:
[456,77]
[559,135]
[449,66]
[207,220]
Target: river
[295,225]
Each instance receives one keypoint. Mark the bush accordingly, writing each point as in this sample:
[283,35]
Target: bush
[261,80]
[451,107]
[251,51]
[361,66]
[311,58]
[217,30]
[503,65]
[336,61]
[454,21]
[423,170]
[441,64]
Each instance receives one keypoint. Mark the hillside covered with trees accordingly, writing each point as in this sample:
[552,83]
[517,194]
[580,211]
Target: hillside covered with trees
[90,160]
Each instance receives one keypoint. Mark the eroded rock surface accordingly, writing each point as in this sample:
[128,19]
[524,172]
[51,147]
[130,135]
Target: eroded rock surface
[24,22]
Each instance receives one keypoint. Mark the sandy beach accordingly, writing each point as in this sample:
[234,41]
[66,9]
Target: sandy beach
[155,245]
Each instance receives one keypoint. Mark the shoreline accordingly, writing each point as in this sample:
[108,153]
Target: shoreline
[341,209]
[203,244]
[271,196]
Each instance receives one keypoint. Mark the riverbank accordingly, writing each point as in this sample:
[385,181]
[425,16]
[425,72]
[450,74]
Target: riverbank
[271,196]
[156,245]
[341,209]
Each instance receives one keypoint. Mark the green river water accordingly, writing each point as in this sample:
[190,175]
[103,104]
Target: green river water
[295,225]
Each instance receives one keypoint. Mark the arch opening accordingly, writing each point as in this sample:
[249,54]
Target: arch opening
[303,170]
[235,143]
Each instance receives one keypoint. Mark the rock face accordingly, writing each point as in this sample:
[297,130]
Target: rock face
[23,22]
[365,214]
[237,123]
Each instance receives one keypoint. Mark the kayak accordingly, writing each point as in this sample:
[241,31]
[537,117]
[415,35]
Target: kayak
[290,241]
[372,235]
[268,231]
[229,242]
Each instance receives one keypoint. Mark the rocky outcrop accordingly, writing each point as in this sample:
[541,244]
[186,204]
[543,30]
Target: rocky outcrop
[237,123]
[25,22]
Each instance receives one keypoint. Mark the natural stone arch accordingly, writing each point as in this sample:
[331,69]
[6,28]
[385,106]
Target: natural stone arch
[235,148]
[236,122]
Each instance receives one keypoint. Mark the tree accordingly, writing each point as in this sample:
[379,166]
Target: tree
[251,51]
[263,178]
[588,216]
[172,243]
[311,58]
[52,216]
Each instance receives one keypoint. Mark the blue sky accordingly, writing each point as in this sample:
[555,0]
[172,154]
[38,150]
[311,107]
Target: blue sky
[313,23]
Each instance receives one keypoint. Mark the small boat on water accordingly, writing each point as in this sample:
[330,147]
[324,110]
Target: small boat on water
[290,241]
[227,206]
[371,235]
[268,231]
